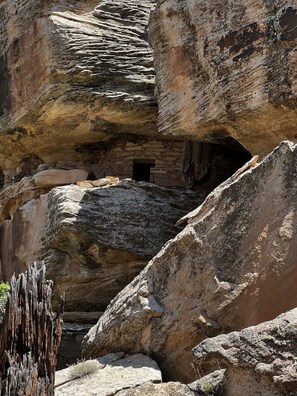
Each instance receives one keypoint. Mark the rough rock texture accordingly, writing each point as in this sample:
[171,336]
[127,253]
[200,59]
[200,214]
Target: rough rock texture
[107,376]
[72,75]
[227,67]
[94,241]
[213,384]
[57,177]
[16,195]
[260,360]
[216,275]
[168,389]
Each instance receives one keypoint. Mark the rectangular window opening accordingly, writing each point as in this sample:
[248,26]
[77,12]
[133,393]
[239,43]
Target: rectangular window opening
[142,169]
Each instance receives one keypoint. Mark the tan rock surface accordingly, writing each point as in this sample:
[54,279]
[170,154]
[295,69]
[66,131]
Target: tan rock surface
[233,266]
[58,177]
[16,195]
[227,68]
[107,376]
[168,389]
[94,241]
[73,74]
[260,360]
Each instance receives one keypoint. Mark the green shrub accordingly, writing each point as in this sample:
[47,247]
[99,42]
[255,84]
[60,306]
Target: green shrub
[4,289]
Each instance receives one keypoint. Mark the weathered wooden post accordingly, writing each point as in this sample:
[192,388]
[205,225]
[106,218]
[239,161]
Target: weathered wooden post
[30,335]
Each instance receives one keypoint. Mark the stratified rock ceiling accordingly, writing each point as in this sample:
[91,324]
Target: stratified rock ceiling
[227,67]
[73,73]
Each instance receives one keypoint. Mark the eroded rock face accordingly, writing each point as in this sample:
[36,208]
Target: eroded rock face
[213,384]
[233,266]
[227,68]
[94,240]
[16,195]
[260,360]
[73,73]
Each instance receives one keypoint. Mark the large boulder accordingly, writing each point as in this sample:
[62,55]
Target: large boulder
[94,241]
[73,73]
[233,266]
[260,360]
[227,68]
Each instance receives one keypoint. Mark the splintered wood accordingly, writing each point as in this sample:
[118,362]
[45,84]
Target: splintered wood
[30,336]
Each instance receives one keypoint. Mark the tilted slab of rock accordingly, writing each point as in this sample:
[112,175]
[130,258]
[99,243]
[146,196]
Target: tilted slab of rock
[233,266]
[94,241]
[72,75]
[107,376]
[260,360]
[226,67]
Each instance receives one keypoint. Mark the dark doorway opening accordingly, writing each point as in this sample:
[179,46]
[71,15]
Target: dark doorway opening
[206,165]
[142,169]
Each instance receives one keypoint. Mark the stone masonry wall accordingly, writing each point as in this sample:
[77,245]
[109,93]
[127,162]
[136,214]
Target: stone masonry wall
[167,156]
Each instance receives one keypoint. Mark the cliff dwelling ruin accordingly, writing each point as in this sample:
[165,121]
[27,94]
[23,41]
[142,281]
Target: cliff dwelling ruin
[167,163]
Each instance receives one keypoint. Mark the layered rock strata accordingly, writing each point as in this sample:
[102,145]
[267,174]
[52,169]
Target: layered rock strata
[73,75]
[227,68]
[216,275]
[95,240]
[260,360]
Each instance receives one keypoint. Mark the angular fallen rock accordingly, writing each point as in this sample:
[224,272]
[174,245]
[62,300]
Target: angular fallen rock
[233,266]
[58,177]
[260,360]
[107,376]
[94,240]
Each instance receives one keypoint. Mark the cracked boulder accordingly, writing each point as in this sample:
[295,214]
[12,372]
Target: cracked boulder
[233,266]
[95,240]
[259,360]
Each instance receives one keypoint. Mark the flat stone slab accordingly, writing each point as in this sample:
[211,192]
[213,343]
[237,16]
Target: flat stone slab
[108,375]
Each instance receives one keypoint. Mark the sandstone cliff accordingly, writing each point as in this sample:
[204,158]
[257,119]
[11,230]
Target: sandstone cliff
[72,75]
[78,118]
[227,68]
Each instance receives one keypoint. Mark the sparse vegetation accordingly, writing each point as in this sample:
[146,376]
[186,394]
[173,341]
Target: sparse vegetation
[4,290]
[208,388]
[84,368]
